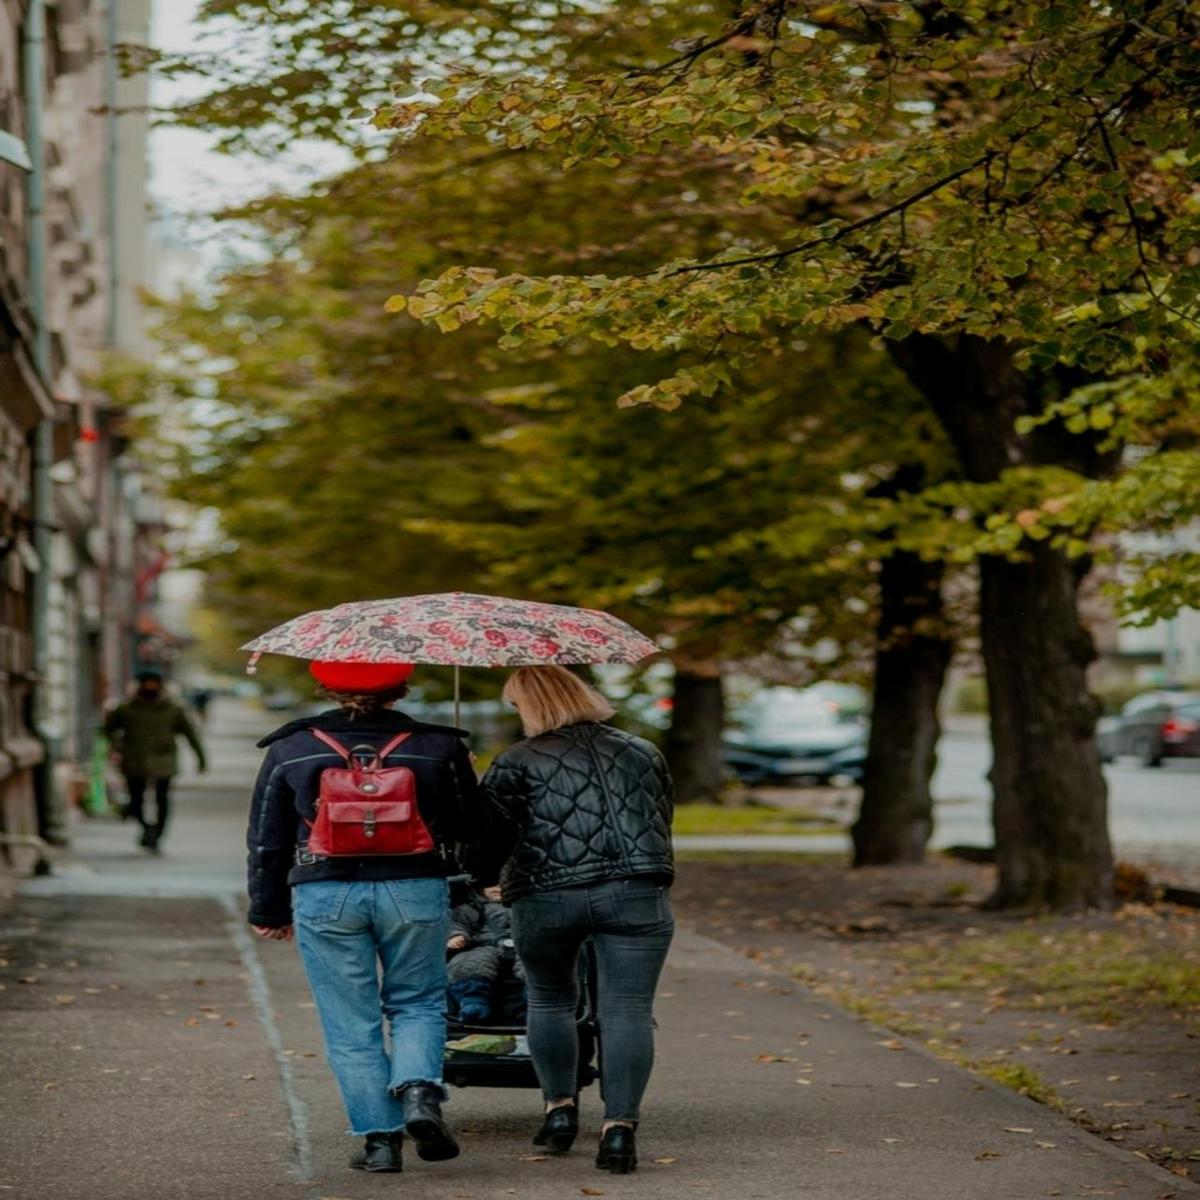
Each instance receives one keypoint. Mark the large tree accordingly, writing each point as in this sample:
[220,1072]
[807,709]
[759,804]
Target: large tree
[1003,191]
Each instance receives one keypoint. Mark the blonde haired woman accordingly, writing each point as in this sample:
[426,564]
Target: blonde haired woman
[590,810]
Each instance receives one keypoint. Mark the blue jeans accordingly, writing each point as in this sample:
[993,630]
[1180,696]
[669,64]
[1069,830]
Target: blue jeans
[375,952]
[631,925]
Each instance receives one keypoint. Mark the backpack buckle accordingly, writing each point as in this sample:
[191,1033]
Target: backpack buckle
[369,823]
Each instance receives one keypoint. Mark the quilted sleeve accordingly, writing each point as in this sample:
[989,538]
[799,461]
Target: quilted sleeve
[506,790]
[666,796]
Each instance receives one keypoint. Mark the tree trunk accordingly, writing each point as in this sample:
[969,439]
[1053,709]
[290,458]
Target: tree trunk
[1050,799]
[693,742]
[911,658]
[1049,803]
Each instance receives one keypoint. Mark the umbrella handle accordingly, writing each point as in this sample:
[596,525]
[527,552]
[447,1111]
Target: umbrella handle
[457,695]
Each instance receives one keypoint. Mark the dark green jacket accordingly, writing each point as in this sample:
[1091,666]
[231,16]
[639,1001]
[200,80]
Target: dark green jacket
[143,732]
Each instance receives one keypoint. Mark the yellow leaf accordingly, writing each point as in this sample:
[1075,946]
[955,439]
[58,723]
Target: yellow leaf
[509,102]
[548,122]
[395,304]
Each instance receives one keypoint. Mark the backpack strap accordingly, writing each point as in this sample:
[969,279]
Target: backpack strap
[331,742]
[334,744]
[396,741]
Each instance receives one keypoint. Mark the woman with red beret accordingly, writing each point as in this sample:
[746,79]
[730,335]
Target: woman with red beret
[372,930]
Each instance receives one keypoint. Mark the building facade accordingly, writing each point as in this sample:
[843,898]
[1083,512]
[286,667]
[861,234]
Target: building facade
[72,262]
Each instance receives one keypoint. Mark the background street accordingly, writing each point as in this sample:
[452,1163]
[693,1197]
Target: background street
[152,1047]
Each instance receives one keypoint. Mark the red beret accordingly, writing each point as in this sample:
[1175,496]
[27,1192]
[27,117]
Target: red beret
[359,677]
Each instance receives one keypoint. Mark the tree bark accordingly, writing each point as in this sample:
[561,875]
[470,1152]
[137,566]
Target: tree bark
[693,742]
[912,654]
[1049,804]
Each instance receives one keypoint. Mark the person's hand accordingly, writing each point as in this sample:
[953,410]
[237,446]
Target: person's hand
[275,933]
[457,942]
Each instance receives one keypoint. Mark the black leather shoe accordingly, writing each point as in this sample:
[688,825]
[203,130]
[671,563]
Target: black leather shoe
[559,1129]
[618,1151]
[380,1152]
[422,1104]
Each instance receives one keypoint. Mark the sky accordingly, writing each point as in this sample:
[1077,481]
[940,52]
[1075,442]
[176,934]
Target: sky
[190,179]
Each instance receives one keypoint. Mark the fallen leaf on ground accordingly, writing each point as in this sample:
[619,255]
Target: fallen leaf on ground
[230,1024]
[64,999]
[806,1082]
[834,1150]
[1047,1145]
[28,979]
[592,1191]
[984,1154]
[891,1044]
[1017,1129]
[908,1084]
[771,1058]
[666,1160]
[890,1141]
[533,1158]
[250,1076]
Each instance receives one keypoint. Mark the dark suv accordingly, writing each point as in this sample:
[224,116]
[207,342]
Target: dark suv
[1154,726]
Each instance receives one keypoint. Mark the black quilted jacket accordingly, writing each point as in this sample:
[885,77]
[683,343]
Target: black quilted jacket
[586,803]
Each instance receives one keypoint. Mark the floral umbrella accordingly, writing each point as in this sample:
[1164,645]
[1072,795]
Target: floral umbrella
[455,629]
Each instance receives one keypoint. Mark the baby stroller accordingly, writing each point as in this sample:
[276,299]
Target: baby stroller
[497,1054]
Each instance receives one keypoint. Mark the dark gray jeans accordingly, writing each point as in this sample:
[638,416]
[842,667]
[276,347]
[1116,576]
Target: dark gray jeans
[631,924]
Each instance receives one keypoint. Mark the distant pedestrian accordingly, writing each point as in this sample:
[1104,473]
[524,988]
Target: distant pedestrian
[368,893]
[590,811]
[142,733]
[201,698]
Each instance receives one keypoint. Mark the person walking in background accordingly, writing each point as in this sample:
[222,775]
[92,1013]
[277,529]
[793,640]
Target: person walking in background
[372,924]
[589,812]
[143,733]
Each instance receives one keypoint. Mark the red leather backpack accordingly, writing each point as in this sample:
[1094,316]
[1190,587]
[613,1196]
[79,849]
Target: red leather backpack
[365,808]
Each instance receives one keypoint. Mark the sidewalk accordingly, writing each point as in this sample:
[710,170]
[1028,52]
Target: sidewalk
[157,1050]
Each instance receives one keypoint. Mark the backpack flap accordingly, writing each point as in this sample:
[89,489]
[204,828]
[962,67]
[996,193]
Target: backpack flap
[368,809]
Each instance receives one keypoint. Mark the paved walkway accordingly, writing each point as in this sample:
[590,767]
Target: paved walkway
[150,1047]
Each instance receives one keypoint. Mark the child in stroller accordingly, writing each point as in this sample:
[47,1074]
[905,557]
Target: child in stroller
[482,959]
[494,1052]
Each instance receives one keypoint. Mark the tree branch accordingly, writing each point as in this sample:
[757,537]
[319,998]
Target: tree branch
[778,256]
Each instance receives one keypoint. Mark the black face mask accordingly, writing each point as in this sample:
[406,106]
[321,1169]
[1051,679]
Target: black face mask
[149,693]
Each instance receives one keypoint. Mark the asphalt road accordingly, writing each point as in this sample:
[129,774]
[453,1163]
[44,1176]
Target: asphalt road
[1152,810]
[151,1047]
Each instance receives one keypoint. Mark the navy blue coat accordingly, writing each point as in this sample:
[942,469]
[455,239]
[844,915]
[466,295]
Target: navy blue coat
[448,795]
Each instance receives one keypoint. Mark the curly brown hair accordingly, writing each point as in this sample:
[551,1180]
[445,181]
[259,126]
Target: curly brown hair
[362,703]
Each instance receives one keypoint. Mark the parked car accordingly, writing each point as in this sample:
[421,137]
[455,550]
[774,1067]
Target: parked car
[787,734]
[1151,727]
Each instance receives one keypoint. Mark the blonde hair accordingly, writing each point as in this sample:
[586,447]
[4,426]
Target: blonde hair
[549,697]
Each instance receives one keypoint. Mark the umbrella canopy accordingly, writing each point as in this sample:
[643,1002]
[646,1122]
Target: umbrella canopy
[456,629]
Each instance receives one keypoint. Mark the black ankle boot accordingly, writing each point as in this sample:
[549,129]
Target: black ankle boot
[380,1152]
[618,1151]
[559,1129]
[422,1104]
